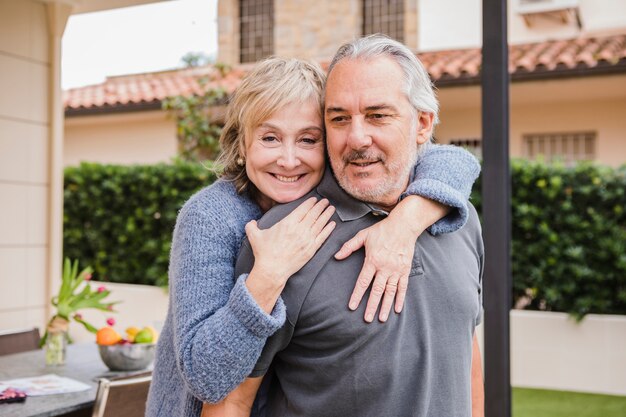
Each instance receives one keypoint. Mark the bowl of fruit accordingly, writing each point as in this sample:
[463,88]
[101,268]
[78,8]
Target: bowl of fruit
[131,353]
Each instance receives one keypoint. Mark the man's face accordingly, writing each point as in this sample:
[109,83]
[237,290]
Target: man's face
[373,133]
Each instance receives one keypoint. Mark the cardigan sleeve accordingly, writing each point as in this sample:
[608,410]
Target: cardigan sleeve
[219,329]
[445,173]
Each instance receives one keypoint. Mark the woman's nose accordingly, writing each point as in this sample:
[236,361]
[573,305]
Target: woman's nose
[289,158]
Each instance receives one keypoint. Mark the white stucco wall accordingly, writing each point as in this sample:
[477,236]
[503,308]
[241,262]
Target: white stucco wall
[145,137]
[452,24]
[552,351]
[24,162]
[584,104]
[141,305]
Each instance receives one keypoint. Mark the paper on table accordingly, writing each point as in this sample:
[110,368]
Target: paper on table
[45,385]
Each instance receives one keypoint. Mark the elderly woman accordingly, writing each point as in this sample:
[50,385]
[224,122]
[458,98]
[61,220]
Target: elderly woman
[273,152]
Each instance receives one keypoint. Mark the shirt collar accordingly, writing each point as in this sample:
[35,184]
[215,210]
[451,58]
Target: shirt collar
[347,207]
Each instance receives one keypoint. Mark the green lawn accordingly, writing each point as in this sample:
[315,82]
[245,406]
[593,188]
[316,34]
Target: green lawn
[543,403]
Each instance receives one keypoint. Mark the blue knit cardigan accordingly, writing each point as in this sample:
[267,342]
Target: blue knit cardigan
[214,330]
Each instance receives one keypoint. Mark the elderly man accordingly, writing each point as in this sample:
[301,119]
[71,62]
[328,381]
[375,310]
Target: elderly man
[379,110]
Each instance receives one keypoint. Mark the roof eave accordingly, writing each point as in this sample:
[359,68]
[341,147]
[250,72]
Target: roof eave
[542,73]
[116,108]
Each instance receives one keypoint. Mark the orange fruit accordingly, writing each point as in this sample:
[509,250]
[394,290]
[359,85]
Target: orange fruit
[107,336]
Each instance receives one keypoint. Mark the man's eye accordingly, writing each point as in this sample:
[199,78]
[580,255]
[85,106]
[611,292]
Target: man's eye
[339,119]
[378,116]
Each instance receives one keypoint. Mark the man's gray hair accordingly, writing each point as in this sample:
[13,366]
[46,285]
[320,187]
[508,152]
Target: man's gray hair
[418,86]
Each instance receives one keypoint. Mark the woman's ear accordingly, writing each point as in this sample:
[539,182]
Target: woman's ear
[424,126]
[242,146]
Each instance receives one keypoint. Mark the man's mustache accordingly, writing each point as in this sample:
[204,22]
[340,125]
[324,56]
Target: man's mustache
[356,155]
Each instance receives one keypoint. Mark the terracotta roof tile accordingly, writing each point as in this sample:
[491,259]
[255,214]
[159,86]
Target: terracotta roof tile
[451,67]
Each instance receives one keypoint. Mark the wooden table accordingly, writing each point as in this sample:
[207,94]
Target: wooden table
[83,363]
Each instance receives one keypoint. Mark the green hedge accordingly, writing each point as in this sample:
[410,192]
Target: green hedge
[569,237]
[119,219]
[569,228]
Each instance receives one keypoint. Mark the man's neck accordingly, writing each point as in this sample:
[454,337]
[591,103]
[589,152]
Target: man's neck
[388,202]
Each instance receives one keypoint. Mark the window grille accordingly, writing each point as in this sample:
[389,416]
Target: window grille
[256,28]
[384,16]
[568,147]
[473,145]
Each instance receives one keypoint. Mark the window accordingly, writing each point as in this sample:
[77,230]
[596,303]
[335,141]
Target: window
[474,146]
[384,16]
[566,147]
[256,28]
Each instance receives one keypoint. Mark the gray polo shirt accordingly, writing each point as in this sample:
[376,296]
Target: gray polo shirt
[329,362]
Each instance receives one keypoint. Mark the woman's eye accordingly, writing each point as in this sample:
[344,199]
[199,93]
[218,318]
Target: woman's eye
[269,139]
[309,141]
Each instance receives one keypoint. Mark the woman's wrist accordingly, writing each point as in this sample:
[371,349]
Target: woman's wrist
[265,288]
[419,213]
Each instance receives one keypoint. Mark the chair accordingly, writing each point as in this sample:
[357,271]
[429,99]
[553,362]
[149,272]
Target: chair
[15,341]
[124,396]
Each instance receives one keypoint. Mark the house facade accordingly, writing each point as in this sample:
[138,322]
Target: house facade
[557,112]
[567,64]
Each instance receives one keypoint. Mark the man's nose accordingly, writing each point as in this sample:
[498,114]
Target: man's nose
[358,137]
[289,157]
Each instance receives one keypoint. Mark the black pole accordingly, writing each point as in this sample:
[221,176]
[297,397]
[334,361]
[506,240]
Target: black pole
[496,195]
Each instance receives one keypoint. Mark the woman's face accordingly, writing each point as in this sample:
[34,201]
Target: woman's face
[285,154]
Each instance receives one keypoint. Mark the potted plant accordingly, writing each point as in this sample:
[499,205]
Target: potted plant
[75,294]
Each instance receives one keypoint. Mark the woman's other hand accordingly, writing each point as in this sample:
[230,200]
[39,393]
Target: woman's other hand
[283,249]
[389,248]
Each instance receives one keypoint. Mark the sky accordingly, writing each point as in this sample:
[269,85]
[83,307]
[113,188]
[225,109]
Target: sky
[136,39]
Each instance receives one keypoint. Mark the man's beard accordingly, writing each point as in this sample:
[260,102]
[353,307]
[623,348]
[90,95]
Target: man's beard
[394,182]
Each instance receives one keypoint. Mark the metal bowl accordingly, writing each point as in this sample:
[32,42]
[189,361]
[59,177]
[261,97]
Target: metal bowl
[128,357]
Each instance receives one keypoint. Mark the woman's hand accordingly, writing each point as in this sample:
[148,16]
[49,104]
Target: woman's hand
[283,249]
[389,248]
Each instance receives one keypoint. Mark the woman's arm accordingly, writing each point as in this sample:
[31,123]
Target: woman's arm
[436,198]
[219,324]
[236,404]
[216,322]
[478,383]
[281,250]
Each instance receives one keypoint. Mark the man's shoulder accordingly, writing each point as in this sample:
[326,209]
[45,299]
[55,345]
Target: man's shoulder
[472,230]
[473,221]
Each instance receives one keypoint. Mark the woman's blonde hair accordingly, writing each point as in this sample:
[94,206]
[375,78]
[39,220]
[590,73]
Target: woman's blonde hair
[270,86]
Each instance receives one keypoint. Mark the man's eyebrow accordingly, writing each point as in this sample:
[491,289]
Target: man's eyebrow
[376,107]
[335,110]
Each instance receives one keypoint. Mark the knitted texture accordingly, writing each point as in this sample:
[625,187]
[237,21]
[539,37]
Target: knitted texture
[445,173]
[214,330]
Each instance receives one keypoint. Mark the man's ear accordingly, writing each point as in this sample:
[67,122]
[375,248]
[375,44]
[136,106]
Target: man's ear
[424,126]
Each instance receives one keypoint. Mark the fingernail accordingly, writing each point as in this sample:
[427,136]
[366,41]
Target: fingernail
[352,305]
[369,317]
[383,317]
